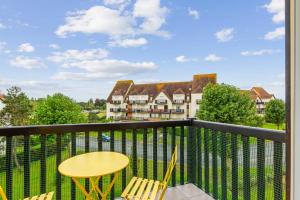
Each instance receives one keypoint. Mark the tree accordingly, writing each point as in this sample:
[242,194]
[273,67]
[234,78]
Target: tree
[93,117]
[17,108]
[100,103]
[58,109]
[16,112]
[275,112]
[226,104]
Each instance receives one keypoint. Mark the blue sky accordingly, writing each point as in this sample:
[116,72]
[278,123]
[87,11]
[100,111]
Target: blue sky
[81,48]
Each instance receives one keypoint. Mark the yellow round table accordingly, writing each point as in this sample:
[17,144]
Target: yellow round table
[93,166]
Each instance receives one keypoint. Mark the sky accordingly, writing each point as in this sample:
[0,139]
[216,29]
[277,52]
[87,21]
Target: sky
[82,47]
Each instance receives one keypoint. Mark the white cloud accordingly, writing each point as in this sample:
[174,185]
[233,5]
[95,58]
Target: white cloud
[85,76]
[278,33]
[54,46]
[182,58]
[194,13]
[111,65]
[212,58]
[260,52]
[225,34]
[121,26]
[277,8]
[154,16]
[97,19]
[2,26]
[26,47]
[129,42]
[73,55]
[27,63]
[95,65]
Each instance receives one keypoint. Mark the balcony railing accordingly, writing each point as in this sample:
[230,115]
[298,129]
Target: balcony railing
[117,110]
[177,111]
[116,102]
[178,102]
[141,110]
[161,102]
[226,161]
[141,102]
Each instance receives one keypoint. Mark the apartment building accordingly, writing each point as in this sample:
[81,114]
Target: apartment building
[168,100]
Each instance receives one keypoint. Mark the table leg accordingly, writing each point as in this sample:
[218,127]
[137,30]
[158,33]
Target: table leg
[80,186]
[96,188]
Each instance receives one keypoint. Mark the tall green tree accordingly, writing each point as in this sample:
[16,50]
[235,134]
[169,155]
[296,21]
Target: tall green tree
[226,104]
[16,112]
[275,112]
[58,109]
[17,108]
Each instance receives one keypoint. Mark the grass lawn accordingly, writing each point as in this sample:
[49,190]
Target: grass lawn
[273,126]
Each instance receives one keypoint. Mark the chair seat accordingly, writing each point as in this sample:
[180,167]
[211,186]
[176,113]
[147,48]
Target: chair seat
[141,189]
[46,196]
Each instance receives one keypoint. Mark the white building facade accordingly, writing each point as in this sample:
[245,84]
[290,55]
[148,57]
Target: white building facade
[169,100]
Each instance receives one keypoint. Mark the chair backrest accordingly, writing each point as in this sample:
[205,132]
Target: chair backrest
[168,174]
[2,194]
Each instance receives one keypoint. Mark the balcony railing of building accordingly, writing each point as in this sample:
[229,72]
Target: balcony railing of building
[117,110]
[178,102]
[161,101]
[141,110]
[177,111]
[116,102]
[226,161]
[141,102]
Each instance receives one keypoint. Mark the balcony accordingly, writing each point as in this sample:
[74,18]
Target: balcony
[141,102]
[116,102]
[178,102]
[141,110]
[116,110]
[177,111]
[161,102]
[226,161]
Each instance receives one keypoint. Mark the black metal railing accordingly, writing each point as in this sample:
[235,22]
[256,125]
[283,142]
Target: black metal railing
[226,161]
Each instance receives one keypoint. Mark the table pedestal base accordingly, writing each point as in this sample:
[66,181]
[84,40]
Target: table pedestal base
[95,188]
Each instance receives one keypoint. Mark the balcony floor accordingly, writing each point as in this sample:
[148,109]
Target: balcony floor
[185,192]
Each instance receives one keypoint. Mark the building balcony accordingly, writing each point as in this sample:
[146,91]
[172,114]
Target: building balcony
[178,102]
[116,110]
[139,102]
[116,102]
[161,102]
[141,110]
[177,111]
[160,111]
[226,161]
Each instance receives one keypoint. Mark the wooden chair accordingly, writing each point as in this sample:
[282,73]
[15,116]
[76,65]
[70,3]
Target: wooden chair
[145,189]
[46,196]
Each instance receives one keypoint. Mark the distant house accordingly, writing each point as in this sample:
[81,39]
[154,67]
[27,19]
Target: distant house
[165,100]
[1,98]
[261,98]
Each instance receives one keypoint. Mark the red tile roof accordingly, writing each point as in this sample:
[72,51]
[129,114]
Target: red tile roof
[261,92]
[199,81]
[258,92]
